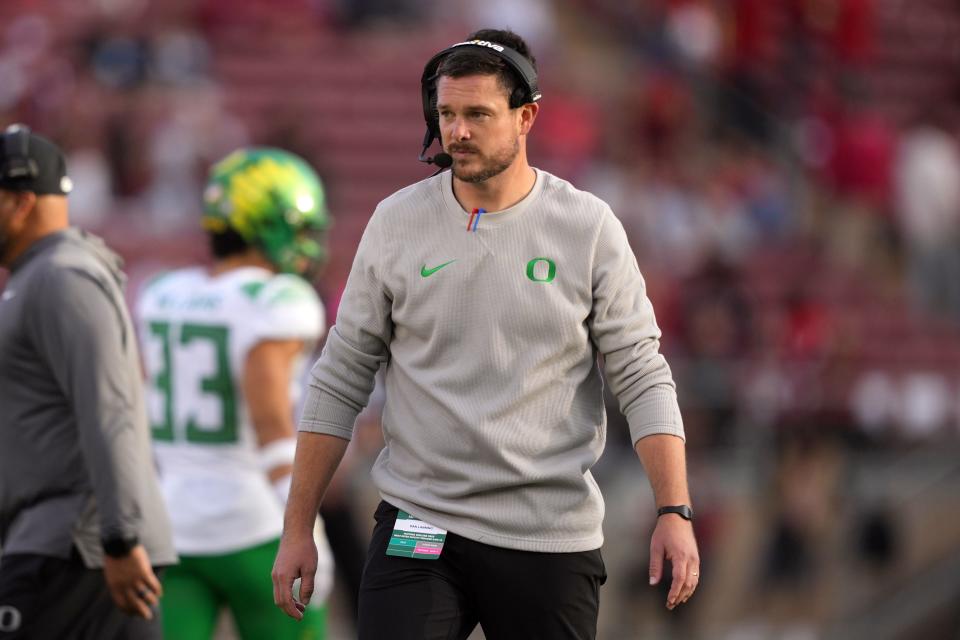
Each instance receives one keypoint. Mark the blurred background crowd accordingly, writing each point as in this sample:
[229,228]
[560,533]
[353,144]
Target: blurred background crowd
[788,172]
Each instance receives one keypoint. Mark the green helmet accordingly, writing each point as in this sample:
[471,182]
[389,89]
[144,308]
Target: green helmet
[274,201]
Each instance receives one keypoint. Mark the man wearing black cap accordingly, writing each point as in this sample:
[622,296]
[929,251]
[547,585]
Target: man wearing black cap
[82,523]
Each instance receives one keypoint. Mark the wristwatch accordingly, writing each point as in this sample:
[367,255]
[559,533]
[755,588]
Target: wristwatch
[681,510]
[118,547]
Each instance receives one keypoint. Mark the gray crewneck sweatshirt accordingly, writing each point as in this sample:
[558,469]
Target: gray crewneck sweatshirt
[490,329]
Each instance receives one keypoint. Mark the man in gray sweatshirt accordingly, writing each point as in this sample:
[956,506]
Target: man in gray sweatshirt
[82,523]
[489,292]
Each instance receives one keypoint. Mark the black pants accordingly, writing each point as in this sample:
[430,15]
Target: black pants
[43,597]
[520,595]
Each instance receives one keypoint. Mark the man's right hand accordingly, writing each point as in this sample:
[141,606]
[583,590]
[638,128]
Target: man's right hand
[297,558]
[132,583]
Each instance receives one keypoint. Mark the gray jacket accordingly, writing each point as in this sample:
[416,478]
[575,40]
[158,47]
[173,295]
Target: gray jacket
[75,458]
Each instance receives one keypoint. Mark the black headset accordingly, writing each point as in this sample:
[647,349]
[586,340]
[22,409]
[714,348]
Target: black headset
[17,163]
[527,92]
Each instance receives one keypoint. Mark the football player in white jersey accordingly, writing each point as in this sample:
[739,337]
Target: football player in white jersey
[224,348]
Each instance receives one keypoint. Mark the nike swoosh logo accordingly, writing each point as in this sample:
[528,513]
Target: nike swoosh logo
[424,272]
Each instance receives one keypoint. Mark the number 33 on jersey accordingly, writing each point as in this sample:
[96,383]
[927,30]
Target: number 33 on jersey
[197,331]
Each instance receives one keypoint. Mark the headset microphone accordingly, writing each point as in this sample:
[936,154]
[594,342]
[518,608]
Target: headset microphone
[442,160]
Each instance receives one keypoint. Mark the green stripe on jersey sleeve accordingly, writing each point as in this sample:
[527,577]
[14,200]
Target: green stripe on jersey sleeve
[287,289]
[252,289]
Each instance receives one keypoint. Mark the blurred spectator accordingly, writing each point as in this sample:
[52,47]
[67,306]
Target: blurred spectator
[809,327]
[125,142]
[875,404]
[14,83]
[925,405]
[753,36]
[877,540]
[662,113]
[627,19]
[193,132]
[694,28]
[864,144]
[715,328]
[28,37]
[119,61]
[356,14]
[91,197]
[674,229]
[845,26]
[744,102]
[179,57]
[804,494]
[733,235]
[533,18]
[928,208]
[765,192]
[569,134]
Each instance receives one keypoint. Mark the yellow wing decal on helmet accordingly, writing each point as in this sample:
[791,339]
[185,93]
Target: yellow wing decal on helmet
[249,191]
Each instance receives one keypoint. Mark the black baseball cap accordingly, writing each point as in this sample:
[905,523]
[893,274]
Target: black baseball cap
[30,162]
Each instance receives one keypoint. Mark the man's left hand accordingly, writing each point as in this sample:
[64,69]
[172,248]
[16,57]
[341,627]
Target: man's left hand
[132,583]
[673,538]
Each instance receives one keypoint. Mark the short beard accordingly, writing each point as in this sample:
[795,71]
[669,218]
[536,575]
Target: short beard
[495,166]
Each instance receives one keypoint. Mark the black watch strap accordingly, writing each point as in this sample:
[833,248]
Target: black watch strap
[681,510]
[118,547]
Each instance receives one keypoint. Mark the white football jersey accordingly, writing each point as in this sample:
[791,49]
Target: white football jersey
[197,331]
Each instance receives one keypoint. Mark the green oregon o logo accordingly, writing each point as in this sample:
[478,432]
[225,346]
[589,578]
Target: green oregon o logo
[532,270]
